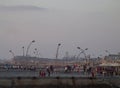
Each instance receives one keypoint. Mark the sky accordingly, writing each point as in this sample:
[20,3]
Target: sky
[92,24]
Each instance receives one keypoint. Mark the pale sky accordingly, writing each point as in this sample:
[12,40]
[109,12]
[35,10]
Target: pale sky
[92,24]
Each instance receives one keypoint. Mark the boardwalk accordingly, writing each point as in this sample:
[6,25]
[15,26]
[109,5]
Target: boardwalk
[28,79]
[59,82]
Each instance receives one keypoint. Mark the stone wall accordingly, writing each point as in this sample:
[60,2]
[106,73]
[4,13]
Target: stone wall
[58,82]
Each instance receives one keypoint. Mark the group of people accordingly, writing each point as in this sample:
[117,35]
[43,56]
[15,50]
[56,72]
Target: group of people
[85,68]
[47,72]
[67,69]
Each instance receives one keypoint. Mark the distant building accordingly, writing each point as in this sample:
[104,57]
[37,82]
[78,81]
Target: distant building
[26,60]
[113,58]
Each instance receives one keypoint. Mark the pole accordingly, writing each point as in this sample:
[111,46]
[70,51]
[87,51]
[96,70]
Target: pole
[23,51]
[36,52]
[57,50]
[107,52]
[12,53]
[82,51]
[13,59]
[29,47]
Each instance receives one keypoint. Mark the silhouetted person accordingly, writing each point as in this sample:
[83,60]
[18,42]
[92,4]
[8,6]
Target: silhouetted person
[51,68]
[84,68]
[48,71]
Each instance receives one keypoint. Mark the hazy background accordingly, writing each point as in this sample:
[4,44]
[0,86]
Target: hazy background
[92,24]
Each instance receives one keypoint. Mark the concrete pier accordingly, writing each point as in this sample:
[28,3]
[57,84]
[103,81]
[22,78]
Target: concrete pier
[59,82]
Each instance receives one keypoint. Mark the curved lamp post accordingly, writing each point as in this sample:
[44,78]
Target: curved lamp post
[23,51]
[57,50]
[12,53]
[36,52]
[107,52]
[107,56]
[82,51]
[29,47]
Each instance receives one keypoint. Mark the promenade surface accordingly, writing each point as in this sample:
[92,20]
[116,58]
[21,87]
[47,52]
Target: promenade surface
[17,78]
[26,73]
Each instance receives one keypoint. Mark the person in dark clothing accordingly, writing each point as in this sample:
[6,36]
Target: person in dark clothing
[51,68]
[84,68]
[48,71]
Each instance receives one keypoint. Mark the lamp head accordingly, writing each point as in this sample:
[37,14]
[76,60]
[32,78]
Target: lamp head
[10,50]
[106,50]
[59,44]
[78,47]
[33,41]
[86,49]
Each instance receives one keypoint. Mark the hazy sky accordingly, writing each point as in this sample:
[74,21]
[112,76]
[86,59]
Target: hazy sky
[92,24]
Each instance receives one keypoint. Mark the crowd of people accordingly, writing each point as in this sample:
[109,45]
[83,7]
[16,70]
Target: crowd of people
[46,72]
[17,68]
[68,69]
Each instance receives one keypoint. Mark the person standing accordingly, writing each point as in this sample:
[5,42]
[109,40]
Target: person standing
[48,71]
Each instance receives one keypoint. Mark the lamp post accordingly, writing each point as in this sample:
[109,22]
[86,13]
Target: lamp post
[23,51]
[13,59]
[85,64]
[12,53]
[82,51]
[29,47]
[107,52]
[107,57]
[36,52]
[57,50]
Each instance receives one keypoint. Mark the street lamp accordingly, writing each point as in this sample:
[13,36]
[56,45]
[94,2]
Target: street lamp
[12,53]
[36,52]
[107,56]
[23,51]
[29,47]
[57,50]
[82,51]
[107,52]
